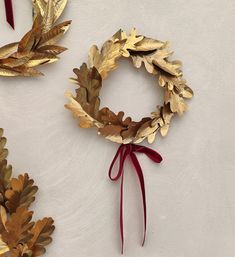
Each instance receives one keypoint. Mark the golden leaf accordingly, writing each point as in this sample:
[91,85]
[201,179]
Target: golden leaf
[131,42]
[59,6]
[114,124]
[3,151]
[41,58]
[48,17]
[18,228]
[106,59]
[55,34]
[170,67]
[17,59]
[3,247]
[5,170]
[41,231]
[146,60]
[39,5]
[85,120]
[148,44]
[21,193]
[29,41]
[177,104]
[7,72]
[52,49]
[6,50]
[3,219]
[146,129]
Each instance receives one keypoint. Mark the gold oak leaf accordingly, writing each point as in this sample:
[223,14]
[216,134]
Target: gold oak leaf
[106,59]
[86,100]
[157,59]
[131,42]
[148,44]
[18,228]
[5,169]
[21,193]
[118,129]
[41,231]
[162,118]
[19,237]
[85,120]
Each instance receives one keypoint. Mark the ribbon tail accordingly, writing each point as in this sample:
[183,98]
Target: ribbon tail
[9,13]
[142,185]
[121,214]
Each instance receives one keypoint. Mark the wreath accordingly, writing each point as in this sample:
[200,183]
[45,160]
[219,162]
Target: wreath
[19,235]
[38,46]
[85,105]
[154,56]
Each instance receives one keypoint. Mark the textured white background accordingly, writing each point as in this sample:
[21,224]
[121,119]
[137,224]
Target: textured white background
[190,196]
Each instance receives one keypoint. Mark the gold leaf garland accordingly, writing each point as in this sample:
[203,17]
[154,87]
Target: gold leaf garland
[38,46]
[19,235]
[151,53]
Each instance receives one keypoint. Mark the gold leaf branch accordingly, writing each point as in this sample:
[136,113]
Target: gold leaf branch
[39,45]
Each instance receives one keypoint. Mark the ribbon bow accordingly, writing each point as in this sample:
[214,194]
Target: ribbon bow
[123,152]
[9,13]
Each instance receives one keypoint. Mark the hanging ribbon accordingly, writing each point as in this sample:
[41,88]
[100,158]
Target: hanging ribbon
[9,13]
[123,152]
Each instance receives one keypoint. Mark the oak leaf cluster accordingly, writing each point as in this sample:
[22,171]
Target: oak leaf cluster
[19,235]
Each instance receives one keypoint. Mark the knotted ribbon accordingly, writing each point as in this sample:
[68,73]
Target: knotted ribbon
[9,13]
[122,153]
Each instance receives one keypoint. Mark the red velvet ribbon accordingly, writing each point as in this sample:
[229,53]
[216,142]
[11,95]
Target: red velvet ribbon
[9,13]
[122,153]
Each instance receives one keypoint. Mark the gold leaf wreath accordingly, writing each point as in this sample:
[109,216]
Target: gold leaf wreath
[19,236]
[154,56]
[38,46]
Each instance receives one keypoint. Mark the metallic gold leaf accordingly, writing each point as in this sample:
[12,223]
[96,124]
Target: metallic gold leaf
[85,120]
[59,6]
[6,50]
[41,231]
[3,247]
[55,34]
[18,228]
[52,49]
[48,17]
[148,44]
[39,5]
[41,58]
[131,42]
[105,60]
[21,193]
[170,67]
